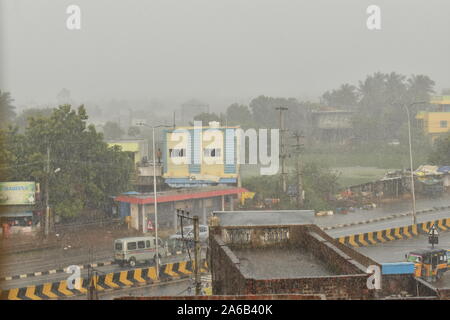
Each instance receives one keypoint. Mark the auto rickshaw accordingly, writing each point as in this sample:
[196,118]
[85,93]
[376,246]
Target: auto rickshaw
[429,263]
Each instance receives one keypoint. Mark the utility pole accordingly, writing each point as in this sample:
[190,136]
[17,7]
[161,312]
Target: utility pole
[198,284]
[92,293]
[196,264]
[47,208]
[299,172]
[282,149]
[413,195]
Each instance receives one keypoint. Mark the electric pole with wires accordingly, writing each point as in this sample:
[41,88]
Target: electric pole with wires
[298,168]
[196,264]
[282,150]
[47,208]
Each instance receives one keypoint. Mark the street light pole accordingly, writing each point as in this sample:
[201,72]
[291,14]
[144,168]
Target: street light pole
[413,194]
[155,205]
[155,199]
[47,208]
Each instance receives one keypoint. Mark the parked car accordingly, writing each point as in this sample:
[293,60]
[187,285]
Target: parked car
[188,233]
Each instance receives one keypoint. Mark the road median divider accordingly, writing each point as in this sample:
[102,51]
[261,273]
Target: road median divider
[395,233]
[378,219]
[63,270]
[105,282]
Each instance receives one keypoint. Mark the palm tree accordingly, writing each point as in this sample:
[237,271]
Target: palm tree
[372,91]
[345,96]
[420,87]
[395,88]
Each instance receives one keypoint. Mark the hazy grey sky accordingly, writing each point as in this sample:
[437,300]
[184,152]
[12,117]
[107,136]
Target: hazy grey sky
[215,50]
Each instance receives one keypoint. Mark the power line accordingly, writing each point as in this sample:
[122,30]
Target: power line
[22,165]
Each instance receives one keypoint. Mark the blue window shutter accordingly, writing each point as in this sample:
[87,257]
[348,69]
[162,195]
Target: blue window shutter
[195,147]
[229,146]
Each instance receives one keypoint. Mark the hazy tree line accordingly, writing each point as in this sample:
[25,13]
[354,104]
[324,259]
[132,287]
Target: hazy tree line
[90,171]
[377,105]
[379,101]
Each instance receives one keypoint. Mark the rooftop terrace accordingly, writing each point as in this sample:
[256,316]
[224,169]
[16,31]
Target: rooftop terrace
[280,263]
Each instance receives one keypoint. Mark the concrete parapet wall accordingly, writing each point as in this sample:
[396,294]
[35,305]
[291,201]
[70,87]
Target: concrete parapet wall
[227,279]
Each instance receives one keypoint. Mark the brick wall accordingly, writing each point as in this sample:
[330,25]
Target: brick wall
[335,287]
[244,297]
[327,252]
[355,255]
[224,266]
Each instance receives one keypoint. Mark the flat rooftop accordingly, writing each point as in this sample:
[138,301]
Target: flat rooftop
[265,218]
[280,263]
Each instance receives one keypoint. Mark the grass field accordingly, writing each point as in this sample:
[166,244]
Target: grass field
[354,167]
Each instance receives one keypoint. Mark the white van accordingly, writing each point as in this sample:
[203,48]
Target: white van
[138,249]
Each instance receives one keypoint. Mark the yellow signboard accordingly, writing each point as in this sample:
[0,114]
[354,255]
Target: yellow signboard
[246,195]
[17,193]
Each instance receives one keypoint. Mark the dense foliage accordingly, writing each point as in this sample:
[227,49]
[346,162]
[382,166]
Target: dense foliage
[319,184]
[441,152]
[84,171]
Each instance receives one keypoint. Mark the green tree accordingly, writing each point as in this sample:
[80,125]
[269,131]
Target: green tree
[265,115]
[111,131]
[441,152]
[420,88]
[372,91]
[319,184]
[89,171]
[7,112]
[346,96]
[237,114]
[134,131]
[22,119]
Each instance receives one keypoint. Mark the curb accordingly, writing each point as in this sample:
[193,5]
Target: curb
[106,282]
[383,218]
[54,271]
[398,233]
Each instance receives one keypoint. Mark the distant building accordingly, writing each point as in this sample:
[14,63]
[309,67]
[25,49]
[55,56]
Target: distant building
[199,201]
[332,125]
[139,153]
[201,156]
[437,122]
[138,148]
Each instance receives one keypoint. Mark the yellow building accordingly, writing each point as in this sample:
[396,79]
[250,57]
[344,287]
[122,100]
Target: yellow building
[138,148]
[435,123]
[201,156]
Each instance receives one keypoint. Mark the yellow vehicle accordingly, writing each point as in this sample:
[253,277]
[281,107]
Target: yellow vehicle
[429,263]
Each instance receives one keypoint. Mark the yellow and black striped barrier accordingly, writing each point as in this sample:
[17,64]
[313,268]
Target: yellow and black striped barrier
[390,234]
[110,281]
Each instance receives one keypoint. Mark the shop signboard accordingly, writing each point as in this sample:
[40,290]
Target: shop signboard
[17,193]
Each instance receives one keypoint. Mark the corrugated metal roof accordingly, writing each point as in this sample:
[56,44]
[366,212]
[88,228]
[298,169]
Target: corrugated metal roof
[179,195]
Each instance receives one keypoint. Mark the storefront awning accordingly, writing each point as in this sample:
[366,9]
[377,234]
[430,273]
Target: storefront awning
[16,214]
